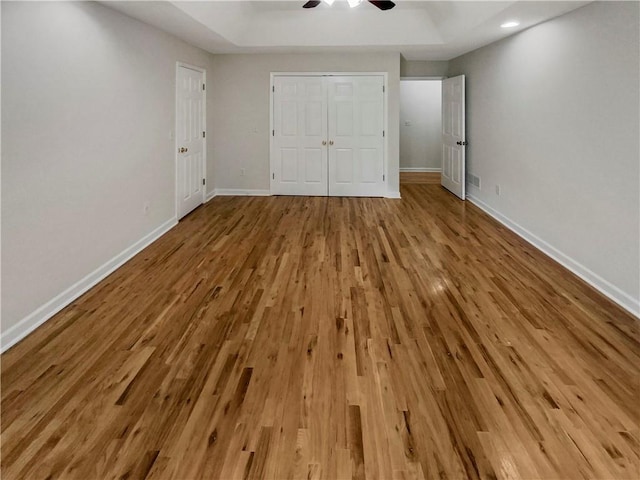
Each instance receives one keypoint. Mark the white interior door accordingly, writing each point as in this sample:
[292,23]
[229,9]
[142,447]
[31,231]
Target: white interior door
[356,136]
[453,136]
[299,147]
[190,113]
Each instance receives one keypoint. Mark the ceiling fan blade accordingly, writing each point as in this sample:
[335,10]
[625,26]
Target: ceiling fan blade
[312,4]
[383,4]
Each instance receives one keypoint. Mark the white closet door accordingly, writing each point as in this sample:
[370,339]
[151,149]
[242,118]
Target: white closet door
[356,142]
[299,151]
[453,136]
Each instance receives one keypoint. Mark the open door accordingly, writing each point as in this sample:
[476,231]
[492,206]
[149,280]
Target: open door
[453,133]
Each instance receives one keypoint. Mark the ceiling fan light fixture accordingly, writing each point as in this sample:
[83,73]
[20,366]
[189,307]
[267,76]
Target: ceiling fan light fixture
[380,4]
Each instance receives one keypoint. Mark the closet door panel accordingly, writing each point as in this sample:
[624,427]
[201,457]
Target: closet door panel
[298,156]
[356,142]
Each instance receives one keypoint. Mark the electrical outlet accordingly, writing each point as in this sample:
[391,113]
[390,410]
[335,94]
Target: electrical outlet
[497,189]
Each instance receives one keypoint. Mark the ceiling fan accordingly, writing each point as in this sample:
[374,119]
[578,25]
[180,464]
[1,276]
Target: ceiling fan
[381,4]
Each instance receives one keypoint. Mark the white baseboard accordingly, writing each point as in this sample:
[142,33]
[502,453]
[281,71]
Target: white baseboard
[32,321]
[420,169]
[626,301]
[222,192]
[240,192]
[210,195]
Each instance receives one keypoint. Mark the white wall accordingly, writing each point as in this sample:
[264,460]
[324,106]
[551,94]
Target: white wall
[420,125]
[88,106]
[240,89]
[552,117]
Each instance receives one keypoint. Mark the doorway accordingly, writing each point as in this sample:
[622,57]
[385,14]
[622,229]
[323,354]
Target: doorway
[421,128]
[432,132]
[328,135]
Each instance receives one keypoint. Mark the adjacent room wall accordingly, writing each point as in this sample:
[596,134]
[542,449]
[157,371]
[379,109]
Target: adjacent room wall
[241,98]
[552,118]
[421,68]
[420,125]
[88,100]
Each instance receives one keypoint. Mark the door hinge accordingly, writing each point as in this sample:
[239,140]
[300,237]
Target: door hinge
[383,177]
[383,133]
[273,133]
[382,88]
[203,135]
[273,176]
[203,86]
[273,88]
[204,181]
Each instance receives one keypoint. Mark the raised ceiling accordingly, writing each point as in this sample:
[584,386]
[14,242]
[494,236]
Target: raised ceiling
[419,30]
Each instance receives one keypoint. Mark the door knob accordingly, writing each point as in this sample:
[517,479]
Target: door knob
[324,142]
[330,142]
[183,150]
[461,143]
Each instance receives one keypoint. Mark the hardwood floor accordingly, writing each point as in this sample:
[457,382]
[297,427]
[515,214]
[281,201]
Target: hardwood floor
[420,177]
[290,337]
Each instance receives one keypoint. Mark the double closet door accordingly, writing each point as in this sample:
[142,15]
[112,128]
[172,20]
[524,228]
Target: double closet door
[328,136]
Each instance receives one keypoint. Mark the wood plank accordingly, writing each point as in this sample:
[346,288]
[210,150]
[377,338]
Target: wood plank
[425,178]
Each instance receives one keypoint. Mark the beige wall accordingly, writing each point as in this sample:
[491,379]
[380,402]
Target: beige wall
[419,68]
[552,117]
[88,100]
[240,87]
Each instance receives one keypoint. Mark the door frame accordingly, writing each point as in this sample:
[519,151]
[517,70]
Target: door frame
[423,79]
[175,133]
[385,115]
